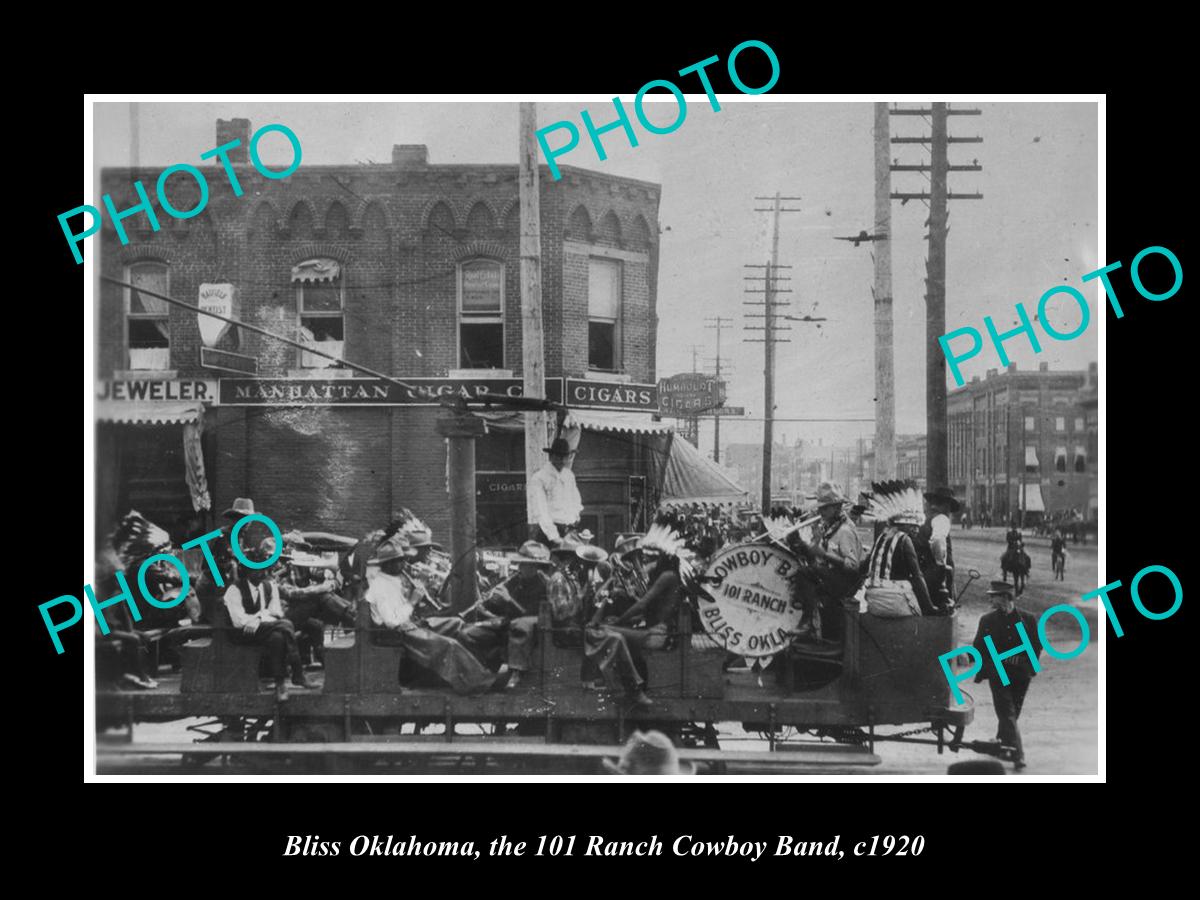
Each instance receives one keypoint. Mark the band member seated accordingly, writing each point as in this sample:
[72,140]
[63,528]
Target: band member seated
[835,558]
[310,599]
[255,608]
[935,550]
[895,586]
[644,627]
[518,599]
[391,597]
[553,499]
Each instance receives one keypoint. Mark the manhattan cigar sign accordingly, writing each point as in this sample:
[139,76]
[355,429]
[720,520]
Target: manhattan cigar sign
[369,391]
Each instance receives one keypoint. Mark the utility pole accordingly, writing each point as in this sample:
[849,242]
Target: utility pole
[534,371]
[885,374]
[718,322]
[936,471]
[769,328]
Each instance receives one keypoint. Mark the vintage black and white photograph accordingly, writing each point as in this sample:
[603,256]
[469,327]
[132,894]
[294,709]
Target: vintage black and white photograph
[544,439]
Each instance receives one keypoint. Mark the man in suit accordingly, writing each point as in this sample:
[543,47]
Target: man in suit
[1001,626]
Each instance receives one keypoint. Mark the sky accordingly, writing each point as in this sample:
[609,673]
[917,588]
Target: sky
[1036,226]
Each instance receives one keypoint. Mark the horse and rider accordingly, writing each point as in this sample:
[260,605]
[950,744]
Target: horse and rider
[1015,559]
[1058,555]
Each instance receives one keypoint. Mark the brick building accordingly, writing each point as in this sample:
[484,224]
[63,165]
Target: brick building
[411,269]
[1024,440]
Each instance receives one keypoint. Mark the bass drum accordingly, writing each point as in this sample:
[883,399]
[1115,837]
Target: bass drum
[747,602]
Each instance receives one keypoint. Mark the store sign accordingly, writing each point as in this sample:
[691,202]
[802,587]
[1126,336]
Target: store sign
[750,608]
[150,389]
[214,298]
[500,487]
[689,393]
[369,391]
[611,395]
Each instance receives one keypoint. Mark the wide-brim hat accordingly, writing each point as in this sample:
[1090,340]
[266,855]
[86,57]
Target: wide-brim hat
[533,553]
[389,550]
[242,506]
[420,539]
[830,494]
[627,540]
[1001,587]
[566,547]
[559,447]
[943,495]
[591,554]
[649,753]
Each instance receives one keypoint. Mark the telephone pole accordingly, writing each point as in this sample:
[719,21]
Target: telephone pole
[770,289]
[939,139]
[534,372]
[718,322]
[885,373]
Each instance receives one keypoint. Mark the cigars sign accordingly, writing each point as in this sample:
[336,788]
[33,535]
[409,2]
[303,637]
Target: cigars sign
[750,609]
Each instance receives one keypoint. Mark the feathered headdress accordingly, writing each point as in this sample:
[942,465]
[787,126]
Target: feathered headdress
[897,501]
[666,541]
[405,523]
[136,537]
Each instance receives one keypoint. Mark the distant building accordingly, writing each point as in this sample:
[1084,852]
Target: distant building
[1025,441]
[910,460]
[797,469]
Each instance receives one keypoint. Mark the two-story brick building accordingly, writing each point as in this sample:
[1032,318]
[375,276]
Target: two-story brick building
[411,269]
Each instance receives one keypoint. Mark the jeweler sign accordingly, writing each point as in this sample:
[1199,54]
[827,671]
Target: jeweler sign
[750,609]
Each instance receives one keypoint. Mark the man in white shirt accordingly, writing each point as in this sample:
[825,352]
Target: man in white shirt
[554,503]
[256,611]
[935,549]
[392,598]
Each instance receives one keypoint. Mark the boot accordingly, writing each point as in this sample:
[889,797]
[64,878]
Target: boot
[281,691]
[298,678]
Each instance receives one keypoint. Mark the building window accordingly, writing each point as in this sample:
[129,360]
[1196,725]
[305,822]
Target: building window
[148,321]
[481,314]
[1030,423]
[1031,460]
[1060,459]
[1080,459]
[604,314]
[1079,424]
[320,299]
[1060,424]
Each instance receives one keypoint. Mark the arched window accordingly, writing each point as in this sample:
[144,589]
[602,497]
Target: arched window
[321,300]
[147,318]
[481,314]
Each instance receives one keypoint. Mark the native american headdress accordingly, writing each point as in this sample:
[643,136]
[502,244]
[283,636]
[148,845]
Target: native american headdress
[897,501]
[665,540]
[136,537]
[406,524]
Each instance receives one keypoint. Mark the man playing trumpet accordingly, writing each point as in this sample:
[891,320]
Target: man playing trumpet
[835,557]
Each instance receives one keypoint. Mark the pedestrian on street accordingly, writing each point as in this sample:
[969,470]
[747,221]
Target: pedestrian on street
[1001,626]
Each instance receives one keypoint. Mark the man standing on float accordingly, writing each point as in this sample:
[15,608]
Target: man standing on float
[554,503]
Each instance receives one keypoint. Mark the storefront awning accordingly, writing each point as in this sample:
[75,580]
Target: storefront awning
[1033,498]
[316,270]
[692,478]
[149,413]
[607,420]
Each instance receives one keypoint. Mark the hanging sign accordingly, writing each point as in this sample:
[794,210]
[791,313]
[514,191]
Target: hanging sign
[215,298]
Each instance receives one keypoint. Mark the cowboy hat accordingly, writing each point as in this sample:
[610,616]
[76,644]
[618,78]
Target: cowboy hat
[567,545]
[262,551]
[829,494]
[649,753]
[532,552]
[559,447]
[242,506]
[945,496]
[591,554]
[627,540]
[392,548]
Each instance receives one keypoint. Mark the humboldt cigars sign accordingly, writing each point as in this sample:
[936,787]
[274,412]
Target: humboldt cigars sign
[750,609]
[369,391]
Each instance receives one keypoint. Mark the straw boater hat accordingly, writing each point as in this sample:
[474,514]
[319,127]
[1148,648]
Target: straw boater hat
[242,506]
[898,502]
[649,753]
[534,553]
[944,496]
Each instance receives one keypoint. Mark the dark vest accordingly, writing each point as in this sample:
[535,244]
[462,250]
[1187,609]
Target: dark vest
[269,589]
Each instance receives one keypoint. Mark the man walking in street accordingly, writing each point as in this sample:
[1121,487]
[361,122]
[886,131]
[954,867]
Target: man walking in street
[1001,626]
